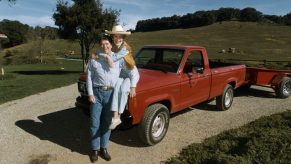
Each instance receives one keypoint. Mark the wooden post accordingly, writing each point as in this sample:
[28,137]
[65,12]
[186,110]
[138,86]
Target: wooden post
[2,73]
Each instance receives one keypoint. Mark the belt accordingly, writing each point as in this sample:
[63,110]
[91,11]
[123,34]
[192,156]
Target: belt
[106,88]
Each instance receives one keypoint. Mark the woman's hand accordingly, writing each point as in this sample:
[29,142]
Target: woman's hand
[92,99]
[132,92]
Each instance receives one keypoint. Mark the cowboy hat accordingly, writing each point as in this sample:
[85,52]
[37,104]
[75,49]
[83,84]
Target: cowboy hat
[117,29]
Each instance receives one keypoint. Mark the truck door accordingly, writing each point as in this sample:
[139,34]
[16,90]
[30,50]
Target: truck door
[195,81]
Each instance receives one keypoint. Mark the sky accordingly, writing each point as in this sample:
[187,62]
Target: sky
[39,12]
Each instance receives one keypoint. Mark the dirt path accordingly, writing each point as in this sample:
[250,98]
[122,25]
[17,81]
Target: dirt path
[47,127]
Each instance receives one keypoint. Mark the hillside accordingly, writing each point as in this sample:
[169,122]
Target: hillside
[251,40]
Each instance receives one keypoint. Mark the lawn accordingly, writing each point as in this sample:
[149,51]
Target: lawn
[24,80]
[266,140]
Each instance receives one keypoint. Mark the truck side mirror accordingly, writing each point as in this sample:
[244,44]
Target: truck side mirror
[199,70]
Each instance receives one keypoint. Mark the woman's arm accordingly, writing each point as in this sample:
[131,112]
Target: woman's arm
[109,60]
[134,78]
[120,54]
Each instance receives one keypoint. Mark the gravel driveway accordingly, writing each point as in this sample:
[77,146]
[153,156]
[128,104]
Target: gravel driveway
[47,128]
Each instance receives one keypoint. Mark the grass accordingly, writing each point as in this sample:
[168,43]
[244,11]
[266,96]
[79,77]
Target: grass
[253,41]
[266,140]
[24,80]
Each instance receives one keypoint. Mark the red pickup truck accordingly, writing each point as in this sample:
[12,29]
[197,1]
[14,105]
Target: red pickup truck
[172,78]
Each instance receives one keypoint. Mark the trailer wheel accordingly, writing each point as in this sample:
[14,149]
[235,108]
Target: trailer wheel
[224,101]
[154,124]
[284,89]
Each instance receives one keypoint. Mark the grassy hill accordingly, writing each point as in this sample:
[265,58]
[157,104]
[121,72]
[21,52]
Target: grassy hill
[251,41]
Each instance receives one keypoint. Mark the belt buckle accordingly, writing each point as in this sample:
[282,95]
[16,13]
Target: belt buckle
[105,88]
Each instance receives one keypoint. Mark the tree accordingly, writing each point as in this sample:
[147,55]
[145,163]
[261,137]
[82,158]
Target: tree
[250,14]
[227,14]
[15,31]
[287,19]
[84,20]
[10,0]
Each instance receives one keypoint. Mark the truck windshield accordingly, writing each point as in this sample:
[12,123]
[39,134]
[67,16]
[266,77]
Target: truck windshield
[162,59]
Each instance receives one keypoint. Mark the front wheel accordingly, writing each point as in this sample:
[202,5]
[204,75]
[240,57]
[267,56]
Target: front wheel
[224,101]
[284,89]
[154,124]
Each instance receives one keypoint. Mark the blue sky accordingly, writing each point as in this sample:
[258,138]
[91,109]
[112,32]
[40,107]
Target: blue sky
[39,12]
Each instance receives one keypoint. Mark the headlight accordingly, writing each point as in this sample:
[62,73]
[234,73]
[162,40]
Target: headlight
[82,87]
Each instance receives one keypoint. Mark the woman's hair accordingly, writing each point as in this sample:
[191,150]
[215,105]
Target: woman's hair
[128,58]
[106,37]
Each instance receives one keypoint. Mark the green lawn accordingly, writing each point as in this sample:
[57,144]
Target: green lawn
[24,80]
[266,140]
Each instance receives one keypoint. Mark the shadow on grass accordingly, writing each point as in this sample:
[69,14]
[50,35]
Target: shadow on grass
[46,72]
[68,128]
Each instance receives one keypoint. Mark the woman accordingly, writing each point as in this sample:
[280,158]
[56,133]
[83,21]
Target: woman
[129,76]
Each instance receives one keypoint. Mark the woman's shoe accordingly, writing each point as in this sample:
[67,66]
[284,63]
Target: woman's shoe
[114,123]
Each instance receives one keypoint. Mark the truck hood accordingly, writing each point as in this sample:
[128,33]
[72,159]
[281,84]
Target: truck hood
[150,79]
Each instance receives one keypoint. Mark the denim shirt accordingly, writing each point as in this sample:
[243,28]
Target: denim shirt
[99,73]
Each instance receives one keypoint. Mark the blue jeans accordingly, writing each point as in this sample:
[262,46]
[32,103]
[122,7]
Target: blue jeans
[120,95]
[100,119]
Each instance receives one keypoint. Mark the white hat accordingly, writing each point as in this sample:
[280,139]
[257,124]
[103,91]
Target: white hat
[117,30]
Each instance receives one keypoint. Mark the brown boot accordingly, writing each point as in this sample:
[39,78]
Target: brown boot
[104,154]
[94,156]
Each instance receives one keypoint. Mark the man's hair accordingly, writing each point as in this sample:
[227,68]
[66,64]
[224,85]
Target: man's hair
[105,37]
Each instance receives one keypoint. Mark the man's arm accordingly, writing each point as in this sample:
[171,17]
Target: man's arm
[89,84]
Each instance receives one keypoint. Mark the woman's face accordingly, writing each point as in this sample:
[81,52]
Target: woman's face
[118,39]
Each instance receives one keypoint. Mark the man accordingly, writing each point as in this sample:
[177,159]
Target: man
[101,78]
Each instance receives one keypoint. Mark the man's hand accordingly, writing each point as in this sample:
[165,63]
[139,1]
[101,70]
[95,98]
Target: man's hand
[92,99]
[132,92]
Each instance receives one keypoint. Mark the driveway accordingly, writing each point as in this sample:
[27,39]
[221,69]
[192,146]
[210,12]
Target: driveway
[47,128]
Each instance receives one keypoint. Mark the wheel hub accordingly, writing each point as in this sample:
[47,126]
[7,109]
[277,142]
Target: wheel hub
[158,125]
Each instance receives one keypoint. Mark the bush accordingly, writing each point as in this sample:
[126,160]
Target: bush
[266,140]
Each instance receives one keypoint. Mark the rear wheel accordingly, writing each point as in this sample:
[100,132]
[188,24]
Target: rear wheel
[284,89]
[154,124]
[224,101]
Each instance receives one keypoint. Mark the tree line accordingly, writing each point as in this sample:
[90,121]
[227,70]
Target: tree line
[203,18]
[19,33]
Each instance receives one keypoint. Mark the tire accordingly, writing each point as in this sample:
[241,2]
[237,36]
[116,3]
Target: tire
[154,124]
[224,101]
[284,89]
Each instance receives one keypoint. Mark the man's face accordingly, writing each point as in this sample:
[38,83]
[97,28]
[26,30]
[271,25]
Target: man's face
[105,46]
[118,39]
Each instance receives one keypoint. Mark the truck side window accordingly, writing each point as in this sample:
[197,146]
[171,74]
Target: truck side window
[194,61]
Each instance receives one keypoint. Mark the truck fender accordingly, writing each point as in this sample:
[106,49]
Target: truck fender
[158,98]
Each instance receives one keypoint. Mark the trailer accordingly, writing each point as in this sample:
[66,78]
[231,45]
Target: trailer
[279,80]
